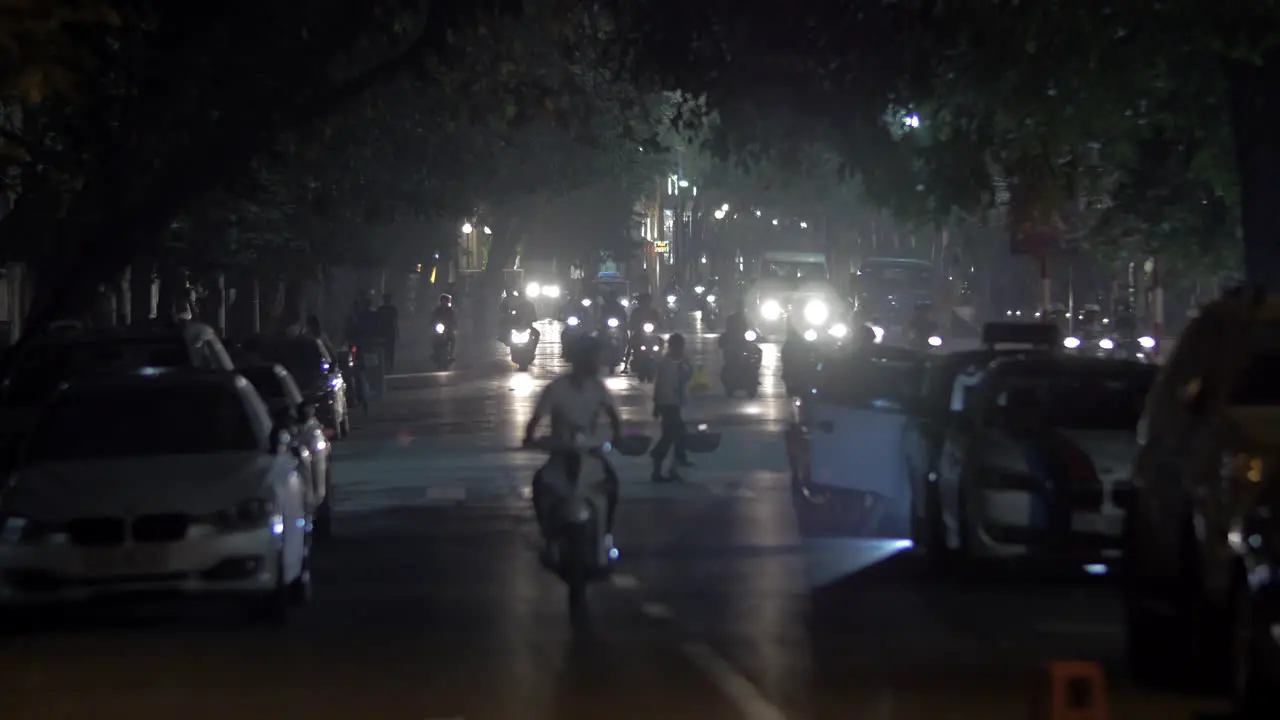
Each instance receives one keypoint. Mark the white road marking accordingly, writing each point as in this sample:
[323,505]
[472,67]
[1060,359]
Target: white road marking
[626,582]
[655,610]
[738,689]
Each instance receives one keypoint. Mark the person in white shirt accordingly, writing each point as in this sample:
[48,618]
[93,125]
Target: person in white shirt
[669,390]
[574,402]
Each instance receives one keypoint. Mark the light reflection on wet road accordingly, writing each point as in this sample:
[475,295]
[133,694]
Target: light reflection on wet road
[430,603]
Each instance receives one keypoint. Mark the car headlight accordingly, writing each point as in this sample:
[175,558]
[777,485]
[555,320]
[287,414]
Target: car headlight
[551,291]
[770,310]
[935,341]
[440,327]
[816,312]
[647,327]
[810,334]
[624,302]
[879,332]
[532,290]
[750,336]
[838,330]
[612,322]
[572,321]
[519,337]
[1147,341]
[251,514]
[711,298]
[671,299]
[1071,343]
[1106,344]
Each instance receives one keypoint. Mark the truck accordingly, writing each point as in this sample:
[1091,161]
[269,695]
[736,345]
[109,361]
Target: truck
[791,288]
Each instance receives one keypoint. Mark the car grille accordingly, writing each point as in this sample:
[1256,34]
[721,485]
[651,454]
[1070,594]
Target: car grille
[160,528]
[96,532]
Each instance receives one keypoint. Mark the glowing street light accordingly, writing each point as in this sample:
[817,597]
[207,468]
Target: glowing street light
[467,228]
[803,225]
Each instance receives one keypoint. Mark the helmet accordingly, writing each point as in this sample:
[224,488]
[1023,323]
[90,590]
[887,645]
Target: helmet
[446,299]
[585,354]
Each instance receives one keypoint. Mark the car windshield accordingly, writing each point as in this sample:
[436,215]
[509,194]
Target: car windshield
[892,383]
[266,382]
[302,358]
[93,424]
[39,369]
[793,272]
[1092,400]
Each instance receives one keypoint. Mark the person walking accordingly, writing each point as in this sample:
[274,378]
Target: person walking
[670,390]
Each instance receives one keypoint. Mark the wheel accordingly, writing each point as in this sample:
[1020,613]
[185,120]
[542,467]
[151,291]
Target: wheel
[272,607]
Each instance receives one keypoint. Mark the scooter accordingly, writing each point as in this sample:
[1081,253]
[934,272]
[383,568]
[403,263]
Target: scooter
[646,352]
[574,511]
[442,346]
[741,368]
[523,348]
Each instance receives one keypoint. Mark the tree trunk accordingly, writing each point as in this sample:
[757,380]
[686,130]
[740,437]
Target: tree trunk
[1254,102]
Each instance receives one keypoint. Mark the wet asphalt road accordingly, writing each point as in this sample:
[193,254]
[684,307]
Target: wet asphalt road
[429,601]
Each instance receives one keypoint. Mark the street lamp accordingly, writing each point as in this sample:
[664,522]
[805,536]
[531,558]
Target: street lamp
[467,228]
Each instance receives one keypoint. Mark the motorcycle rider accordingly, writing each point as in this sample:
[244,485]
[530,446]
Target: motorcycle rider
[735,328]
[521,314]
[443,314]
[641,314]
[612,307]
[574,402]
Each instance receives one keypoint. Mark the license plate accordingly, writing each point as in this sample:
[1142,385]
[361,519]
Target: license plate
[125,561]
[1096,524]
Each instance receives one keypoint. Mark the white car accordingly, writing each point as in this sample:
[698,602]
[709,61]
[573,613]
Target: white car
[189,488]
[1034,465]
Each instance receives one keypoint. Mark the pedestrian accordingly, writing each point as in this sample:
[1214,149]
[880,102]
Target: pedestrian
[389,330]
[670,390]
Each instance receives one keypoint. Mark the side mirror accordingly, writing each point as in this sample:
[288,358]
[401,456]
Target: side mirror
[306,411]
[281,439]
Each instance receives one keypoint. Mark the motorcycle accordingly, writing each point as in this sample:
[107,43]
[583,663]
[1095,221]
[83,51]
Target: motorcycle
[672,307]
[741,368]
[442,346]
[705,303]
[647,351]
[574,512]
[614,339]
[524,346]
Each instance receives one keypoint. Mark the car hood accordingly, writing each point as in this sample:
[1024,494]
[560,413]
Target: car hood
[192,484]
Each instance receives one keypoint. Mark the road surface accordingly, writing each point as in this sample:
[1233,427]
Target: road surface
[429,601]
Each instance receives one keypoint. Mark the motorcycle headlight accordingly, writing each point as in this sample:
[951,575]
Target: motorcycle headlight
[249,514]
[1147,341]
[879,332]
[647,327]
[770,310]
[810,334]
[699,289]
[551,291]
[935,341]
[519,337]
[532,290]
[816,312]
[1071,343]
[624,302]
[612,322]
[572,321]
[711,298]
[750,336]
[586,302]
[1106,344]
[440,327]
[671,299]
[838,330]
